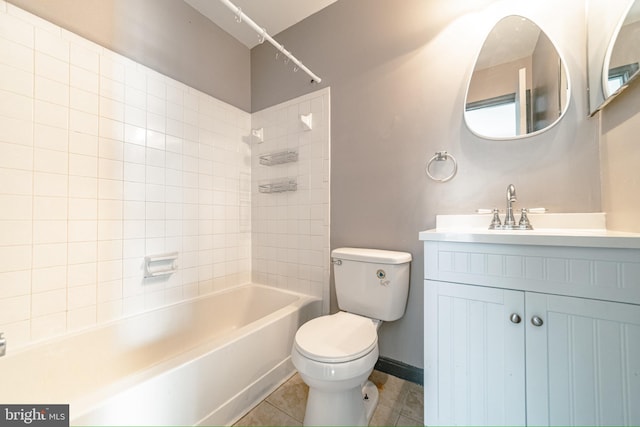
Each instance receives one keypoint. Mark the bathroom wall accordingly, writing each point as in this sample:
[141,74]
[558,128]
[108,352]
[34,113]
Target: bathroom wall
[168,36]
[290,230]
[103,161]
[620,158]
[398,73]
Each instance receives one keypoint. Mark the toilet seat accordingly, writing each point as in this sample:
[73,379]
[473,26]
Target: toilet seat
[337,338]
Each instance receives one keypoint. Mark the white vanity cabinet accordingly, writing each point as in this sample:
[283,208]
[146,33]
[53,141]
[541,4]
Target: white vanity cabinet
[530,334]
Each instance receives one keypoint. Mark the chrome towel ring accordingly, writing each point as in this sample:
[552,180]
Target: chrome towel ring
[441,156]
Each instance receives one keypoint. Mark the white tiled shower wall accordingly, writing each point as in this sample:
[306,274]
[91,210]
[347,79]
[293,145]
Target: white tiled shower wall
[103,161]
[290,234]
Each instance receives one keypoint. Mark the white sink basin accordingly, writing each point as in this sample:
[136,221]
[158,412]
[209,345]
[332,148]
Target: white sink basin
[547,221]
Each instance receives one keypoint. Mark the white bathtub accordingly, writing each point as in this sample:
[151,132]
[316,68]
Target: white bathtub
[201,362]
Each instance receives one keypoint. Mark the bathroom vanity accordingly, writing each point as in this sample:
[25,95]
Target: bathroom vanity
[536,327]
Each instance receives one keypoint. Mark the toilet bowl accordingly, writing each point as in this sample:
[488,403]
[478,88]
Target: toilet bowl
[335,354]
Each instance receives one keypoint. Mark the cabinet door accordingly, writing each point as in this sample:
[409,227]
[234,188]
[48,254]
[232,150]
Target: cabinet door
[474,355]
[583,362]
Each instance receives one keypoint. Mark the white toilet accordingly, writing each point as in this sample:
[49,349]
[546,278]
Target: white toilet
[335,354]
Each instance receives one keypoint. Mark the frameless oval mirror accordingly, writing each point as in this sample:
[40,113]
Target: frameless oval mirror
[519,86]
[622,61]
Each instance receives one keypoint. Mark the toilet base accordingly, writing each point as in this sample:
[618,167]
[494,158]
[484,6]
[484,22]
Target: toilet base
[370,399]
[353,407]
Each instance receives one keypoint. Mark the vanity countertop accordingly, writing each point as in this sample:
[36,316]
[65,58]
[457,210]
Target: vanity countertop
[574,230]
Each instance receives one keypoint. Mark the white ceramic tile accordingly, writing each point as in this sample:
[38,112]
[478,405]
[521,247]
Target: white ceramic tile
[84,79]
[52,68]
[48,302]
[111,129]
[111,149]
[49,279]
[110,209]
[134,153]
[50,114]
[110,229]
[81,165]
[82,230]
[134,190]
[112,68]
[82,252]
[16,80]
[49,231]
[135,78]
[109,291]
[16,30]
[135,116]
[51,161]
[134,172]
[81,318]
[83,100]
[48,326]
[16,106]
[110,310]
[15,207]
[133,248]
[15,309]
[134,134]
[50,184]
[83,209]
[82,143]
[15,258]
[82,274]
[16,131]
[82,122]
[15,232]
[16,55]
[83,57]
[49,255]
[110,189]
[15,283]
[50,138]
[111,89]
[110,169]
[52,44]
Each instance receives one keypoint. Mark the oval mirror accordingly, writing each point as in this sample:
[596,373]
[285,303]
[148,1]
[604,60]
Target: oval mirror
[519,86]
[622,61]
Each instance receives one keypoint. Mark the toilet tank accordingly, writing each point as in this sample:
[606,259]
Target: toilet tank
[372,282]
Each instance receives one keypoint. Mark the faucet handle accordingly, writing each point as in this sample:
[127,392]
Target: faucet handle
[524,220]
[495,221]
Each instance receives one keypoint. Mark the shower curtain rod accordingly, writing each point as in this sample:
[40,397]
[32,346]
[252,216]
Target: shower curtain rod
[262,33]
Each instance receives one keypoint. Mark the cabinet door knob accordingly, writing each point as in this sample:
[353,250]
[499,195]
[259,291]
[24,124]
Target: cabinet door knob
[536,321]
[515,318]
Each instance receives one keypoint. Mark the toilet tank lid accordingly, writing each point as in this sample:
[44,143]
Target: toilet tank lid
[379,256]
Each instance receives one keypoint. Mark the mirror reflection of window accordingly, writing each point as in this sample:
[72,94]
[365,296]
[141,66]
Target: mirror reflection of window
[623,57]
[494,117]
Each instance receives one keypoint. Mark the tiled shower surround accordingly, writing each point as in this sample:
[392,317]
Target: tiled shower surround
[104,161]
[290,235]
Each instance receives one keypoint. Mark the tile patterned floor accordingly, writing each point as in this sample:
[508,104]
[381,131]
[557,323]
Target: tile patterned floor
[400,404]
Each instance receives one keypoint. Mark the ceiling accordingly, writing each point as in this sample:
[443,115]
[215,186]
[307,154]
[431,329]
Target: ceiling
[272,15]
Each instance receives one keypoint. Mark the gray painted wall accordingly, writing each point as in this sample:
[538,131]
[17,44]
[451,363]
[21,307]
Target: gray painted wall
[168,36]
[398,72]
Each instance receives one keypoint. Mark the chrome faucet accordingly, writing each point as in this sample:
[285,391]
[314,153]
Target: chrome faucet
[3,345]
[509,220]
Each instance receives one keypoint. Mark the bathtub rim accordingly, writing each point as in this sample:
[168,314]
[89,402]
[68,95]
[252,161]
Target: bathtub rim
[11,353]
